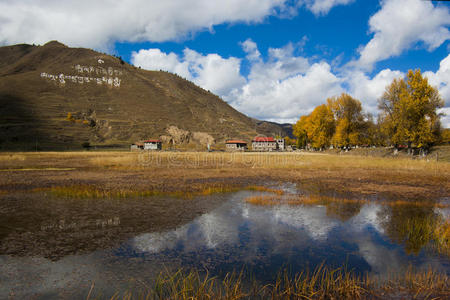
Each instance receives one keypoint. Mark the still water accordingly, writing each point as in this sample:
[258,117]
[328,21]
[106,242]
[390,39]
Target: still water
[58,249]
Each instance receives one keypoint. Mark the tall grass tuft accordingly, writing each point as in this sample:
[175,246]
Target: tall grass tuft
[322,283]
[324,200]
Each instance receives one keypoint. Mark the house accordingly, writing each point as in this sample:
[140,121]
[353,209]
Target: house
[280,144]
[137,146]
[267,144]
[236,145]
[264,144]
[152,145]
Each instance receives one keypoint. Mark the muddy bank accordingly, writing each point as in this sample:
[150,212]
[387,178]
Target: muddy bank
[38,225]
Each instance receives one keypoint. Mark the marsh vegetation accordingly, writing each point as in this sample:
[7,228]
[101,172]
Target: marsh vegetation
[117,219]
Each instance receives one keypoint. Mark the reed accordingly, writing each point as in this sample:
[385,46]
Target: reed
[98,192]
[324,200]
[441,236]
[322,283]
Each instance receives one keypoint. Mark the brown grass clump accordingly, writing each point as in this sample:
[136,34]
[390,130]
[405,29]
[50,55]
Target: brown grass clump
[97,192]
[259,188]
[442,237]
[322,283]
[324,200]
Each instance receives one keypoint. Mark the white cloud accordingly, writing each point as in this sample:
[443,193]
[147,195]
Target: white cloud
[400,24]
[98,23]
[282,86]
[212,72]
[441,80]
[154,59]
[322,7]
[284,100]
[251,49]
[369,90]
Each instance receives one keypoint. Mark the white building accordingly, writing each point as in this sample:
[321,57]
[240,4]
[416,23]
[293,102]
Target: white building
[152,145]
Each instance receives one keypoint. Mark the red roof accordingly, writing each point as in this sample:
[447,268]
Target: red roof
[152,141]
[236,142]
[263,139]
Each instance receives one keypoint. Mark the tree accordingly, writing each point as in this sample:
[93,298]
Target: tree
[288,141]
[320,127]
[409,111]
[70,117]
[349,118]
[445,136]
[300,132]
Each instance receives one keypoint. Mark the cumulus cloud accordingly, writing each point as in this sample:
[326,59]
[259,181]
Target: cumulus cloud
[284,86]
[98,23]
[400,24]
[212,72]
[322,7]
[281,85]
[369,90]
[441,80]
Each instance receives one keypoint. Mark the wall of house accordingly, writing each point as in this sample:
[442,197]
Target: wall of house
[150,146]
[264,146]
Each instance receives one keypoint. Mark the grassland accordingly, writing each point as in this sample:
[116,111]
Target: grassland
[193,172]
[321,179]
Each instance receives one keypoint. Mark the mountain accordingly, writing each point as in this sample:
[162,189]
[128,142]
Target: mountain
[56,97]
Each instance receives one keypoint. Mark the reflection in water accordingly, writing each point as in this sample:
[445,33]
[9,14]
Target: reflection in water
[233,234]
[367,237]
[412,226]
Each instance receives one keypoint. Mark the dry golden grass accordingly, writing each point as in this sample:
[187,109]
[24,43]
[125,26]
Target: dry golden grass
[393,178]
[264,160]
[442,237]
[296,160]
[258,188]
[322,283]
[323,200]
[96,192]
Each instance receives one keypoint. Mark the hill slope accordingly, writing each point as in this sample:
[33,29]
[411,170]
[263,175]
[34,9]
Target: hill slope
[56,97]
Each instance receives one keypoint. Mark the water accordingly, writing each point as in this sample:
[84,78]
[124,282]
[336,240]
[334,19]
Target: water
[218,233]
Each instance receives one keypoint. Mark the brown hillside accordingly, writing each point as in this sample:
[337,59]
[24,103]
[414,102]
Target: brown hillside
[110,103]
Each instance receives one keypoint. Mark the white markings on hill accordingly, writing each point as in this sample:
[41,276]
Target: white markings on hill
[107,78]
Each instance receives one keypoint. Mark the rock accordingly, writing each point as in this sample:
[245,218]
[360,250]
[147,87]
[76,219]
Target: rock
[179,136]
[203,138]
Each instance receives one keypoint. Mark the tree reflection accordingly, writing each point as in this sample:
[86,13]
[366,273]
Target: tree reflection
[412,225]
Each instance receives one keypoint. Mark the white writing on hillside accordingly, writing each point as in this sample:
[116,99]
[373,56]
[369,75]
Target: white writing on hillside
[88,74]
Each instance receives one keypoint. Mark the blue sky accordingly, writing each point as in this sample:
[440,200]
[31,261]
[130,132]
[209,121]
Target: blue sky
[271,59]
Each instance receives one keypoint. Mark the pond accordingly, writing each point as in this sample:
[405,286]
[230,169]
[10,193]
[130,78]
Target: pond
[56,248]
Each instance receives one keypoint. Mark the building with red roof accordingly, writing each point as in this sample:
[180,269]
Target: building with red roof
[152,144]
[236,145]
[265,143]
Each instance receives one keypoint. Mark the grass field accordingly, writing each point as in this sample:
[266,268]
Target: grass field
[133,172]
[320,179]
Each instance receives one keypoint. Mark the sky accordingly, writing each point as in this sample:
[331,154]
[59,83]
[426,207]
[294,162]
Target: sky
[270,59]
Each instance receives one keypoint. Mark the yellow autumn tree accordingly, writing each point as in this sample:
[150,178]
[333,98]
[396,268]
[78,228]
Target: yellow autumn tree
[320,127]
[409,111]
[350,121]
[300,131]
